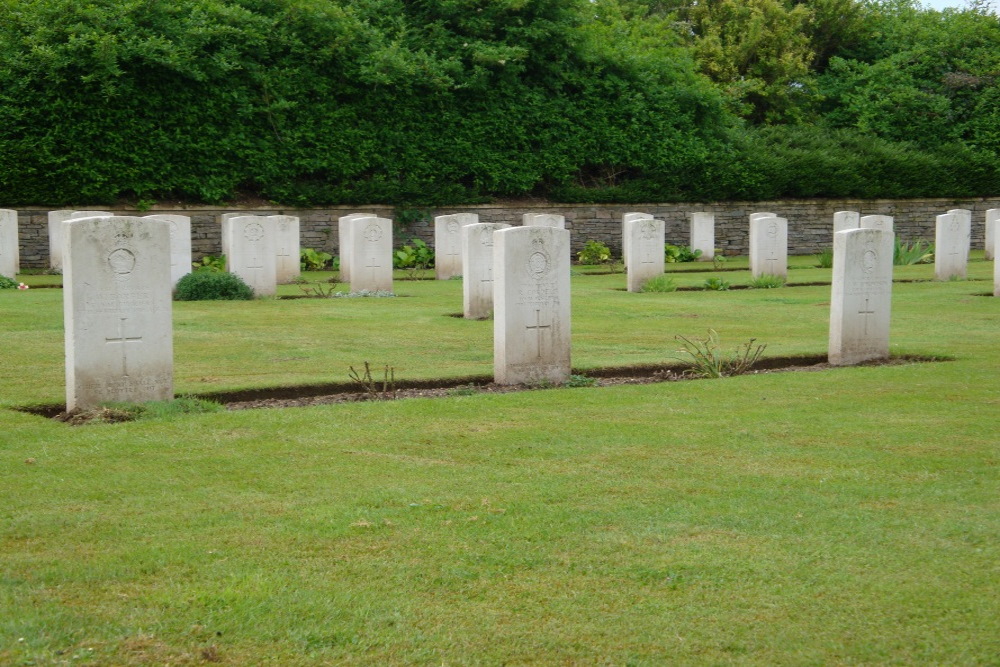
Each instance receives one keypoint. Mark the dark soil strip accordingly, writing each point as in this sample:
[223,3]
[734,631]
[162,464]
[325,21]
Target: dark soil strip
[349,392]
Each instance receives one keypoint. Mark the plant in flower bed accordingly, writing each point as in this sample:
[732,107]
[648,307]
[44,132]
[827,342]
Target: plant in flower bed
[414,257]
[313,260]
[715,284]
[212,286]
[8,283]
[709,361]
[674,254]
[210,264]
[661,283]
[917,252]
[594,253]
[824,258]
[766,281]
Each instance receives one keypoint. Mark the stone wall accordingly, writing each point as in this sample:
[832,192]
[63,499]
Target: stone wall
[810,222]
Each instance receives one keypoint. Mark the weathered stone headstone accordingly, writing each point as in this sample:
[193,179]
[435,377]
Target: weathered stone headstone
[531,320]
[252,253]
[992,215]
[951,246]
[180,244]
[769,247]
[117,310]
[861,296]
[477,269]
[883,222]
[448,243]
[286,242]
[646,259]
[626,217]
[843,220]
[370,254]
[345,242]
[544,220]
[10,263]
[703,235]
[56,218]
[757,216]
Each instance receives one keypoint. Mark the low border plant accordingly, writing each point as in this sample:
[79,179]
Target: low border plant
[766,281]
[716,284]
[707,359]
[661,283]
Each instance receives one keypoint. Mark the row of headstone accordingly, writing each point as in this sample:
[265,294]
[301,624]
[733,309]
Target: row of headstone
[768,245]
[702,236]
[951,244]
[262,249]
[10,261]
[365,252]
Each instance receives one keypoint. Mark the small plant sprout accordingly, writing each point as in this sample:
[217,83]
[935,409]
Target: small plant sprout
[766,281]
[661,283]
[707,359]
[375,391]
[715,284]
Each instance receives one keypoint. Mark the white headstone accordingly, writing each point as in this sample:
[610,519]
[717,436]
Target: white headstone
[996,265]
[951,245]
[992,215]
[703,235]
[861,296]
[531,320]
[543,220]
[477,269]
[117,311]
[756,216]
[180,244]
[56,218]
[252,254]
[10,263]
[345,242]
[286,242]
[843,220]
[225,232]
[626,217]
[448,243]
[370,254]
[769,247]
[883,222]
[646,258]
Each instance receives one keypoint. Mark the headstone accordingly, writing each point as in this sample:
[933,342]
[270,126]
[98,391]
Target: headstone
[180,244]
[531,321]
[992,215]
[10,263]
[951,245]
[861,296]
[756,216]
[843,220]
[116,301]
[646,259]
[703,235]
[286,242]
[370,254]
[769,247]
[448,243]
[477,269]
[252,254]
[883,222]
[345,242]
[996,265]
[543,220]
[625,239]
[225,231]
[56,218]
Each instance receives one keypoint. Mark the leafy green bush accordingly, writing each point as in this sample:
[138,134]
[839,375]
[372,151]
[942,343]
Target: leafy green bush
[210,264]
[716,284]
[661,283]
[593,253]
[311,260]
[417,255]
[7,283]
[209,286]
[680,253]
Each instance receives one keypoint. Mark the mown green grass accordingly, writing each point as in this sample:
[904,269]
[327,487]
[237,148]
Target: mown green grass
[844,516]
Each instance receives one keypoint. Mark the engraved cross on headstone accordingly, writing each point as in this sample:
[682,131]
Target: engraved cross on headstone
[123,340]
[647,251]
[255,263]
[866,312]
[771,262]
[538,326]
[489,274]
[373,266]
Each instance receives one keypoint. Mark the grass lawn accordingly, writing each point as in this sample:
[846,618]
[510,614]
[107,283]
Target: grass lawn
[843,516]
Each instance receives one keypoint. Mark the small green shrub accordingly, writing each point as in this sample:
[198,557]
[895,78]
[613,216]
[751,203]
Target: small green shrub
[209,286]
[708,361]
[716,284]
[418,255]
[766,281]
[7,283]
[594,253]
[824,258]
[210,264]
[918,252]
[661,283]
[311,260]
[680,253]
[718,260]
[580,381]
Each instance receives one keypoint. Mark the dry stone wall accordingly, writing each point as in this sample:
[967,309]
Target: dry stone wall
[810,222]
